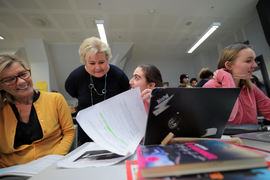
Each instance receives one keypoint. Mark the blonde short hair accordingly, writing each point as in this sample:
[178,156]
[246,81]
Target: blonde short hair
[91,46]
[6,60]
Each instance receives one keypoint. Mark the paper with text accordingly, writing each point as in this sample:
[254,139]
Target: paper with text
[31,168]
[116,124]
[90,155]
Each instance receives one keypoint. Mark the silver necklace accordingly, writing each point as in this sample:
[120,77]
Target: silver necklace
[91,86]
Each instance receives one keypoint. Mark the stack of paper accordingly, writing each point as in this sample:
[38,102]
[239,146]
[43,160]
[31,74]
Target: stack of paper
[117,125]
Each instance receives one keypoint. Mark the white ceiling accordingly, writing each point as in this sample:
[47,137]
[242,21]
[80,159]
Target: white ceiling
[156,27]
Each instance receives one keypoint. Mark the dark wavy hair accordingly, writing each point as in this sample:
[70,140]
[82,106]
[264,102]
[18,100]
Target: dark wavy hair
[205,73]
[152,74]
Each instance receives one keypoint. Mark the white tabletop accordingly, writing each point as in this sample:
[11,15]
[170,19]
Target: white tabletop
[100,173]
[104,173]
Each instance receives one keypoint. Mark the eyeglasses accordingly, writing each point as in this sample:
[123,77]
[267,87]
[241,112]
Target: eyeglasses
[13,79]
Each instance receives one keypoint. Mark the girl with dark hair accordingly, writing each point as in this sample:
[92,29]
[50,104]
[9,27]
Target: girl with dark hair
[146,77]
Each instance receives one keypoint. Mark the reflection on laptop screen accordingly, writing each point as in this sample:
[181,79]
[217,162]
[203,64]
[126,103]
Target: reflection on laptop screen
[189,112]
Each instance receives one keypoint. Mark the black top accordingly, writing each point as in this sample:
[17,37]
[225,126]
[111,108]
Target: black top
[26,133]
[77,86]
[202,82]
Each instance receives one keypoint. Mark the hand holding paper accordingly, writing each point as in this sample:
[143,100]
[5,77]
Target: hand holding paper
[117,124]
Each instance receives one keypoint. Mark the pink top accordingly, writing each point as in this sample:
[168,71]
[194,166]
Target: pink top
[248,102]
[146,106]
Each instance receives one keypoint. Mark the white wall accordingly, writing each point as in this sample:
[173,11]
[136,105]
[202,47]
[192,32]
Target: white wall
[121,53]
[172,68]
[65,59]
[38,61]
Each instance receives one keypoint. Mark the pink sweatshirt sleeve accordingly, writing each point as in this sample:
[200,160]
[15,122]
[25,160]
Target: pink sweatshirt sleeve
[263,102]
[223,79]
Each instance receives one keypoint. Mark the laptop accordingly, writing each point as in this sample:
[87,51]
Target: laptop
[189,112]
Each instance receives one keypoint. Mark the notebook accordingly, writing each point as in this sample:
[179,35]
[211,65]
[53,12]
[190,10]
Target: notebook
[189,112]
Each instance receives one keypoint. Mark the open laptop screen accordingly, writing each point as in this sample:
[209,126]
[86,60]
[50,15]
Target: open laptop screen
[189,112]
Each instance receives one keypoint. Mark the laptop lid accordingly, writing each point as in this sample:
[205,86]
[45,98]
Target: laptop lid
[189,112]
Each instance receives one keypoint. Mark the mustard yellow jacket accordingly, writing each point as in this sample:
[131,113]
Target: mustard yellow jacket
[57,128]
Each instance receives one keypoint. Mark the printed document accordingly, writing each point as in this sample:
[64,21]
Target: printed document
[117,124]
[90,155]
[31,168]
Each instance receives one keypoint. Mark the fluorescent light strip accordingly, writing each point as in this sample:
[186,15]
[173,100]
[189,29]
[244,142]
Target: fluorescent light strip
[101,31]
[2,38]
[210,30]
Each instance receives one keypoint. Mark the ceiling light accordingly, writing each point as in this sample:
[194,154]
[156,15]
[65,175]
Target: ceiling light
[101,30]
[3,34]
[208,32]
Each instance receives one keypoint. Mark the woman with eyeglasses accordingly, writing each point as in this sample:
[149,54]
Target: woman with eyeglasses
[32,123]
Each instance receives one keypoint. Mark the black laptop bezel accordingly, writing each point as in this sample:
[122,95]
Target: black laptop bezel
[191,104]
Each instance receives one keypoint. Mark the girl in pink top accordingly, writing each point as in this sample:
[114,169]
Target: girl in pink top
[146,76]
[235,67]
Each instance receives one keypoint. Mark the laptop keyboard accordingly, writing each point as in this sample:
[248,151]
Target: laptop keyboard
[231,129]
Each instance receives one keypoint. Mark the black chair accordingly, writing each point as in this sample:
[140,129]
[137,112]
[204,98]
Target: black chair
[262,68]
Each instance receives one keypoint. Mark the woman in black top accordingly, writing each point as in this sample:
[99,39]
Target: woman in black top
[205,74]
[96,80]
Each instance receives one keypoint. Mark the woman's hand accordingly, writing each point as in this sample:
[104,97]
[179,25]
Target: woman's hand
[146,96]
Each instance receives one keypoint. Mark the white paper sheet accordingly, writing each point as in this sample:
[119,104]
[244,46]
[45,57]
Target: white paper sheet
[31,168]
[116,124]
[86,158]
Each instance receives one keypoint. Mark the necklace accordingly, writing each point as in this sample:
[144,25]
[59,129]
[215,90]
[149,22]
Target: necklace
[91,86]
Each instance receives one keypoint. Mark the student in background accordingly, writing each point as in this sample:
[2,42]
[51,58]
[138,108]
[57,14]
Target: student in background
[96,80]
[184,80]
[146,76]
[235,67]
[205,75]
[165,84]
[32,123]
[193,82]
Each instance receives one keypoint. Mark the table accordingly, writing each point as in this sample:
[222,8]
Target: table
[110,172]
[117,172]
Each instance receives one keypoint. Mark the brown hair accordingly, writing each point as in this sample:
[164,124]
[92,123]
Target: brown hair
[230,53]
[205,73]
[6,60]
[152,74]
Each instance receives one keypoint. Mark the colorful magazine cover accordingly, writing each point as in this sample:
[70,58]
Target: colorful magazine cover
[195,157]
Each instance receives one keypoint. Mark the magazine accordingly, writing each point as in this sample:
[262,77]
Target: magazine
[195,157]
